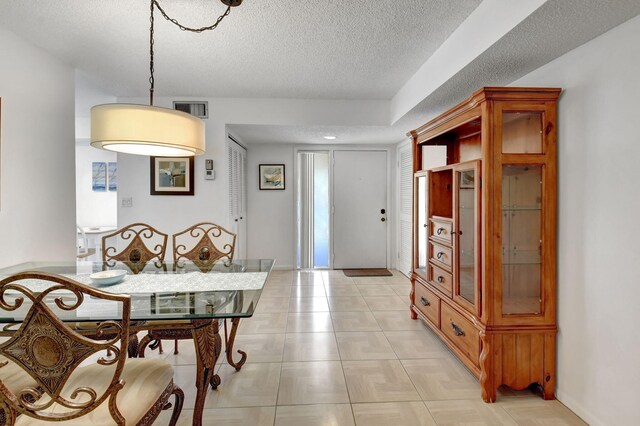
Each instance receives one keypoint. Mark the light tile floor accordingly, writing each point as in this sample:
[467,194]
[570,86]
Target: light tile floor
[325,349]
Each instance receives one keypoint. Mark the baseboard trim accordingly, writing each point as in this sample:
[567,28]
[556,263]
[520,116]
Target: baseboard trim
[578,409]
[283,267]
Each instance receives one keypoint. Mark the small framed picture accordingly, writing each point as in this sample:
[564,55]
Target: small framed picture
[99,176]
[113,176]
[171,176]
[271,176]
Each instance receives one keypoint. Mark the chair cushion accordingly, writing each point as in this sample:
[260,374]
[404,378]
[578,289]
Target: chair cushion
[145,380]
[14,377]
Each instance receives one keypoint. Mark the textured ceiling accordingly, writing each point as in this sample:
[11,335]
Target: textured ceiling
[330,49]
[315,134]
[315,49]
[554,29]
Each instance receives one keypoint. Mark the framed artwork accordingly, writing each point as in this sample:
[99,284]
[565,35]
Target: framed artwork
[171,176]
[113,176]
[99,176]
[271,176]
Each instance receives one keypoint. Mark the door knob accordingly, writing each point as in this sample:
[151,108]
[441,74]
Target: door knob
[382,211]
[382,219]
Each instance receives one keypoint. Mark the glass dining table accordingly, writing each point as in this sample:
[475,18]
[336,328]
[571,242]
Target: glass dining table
[169,300]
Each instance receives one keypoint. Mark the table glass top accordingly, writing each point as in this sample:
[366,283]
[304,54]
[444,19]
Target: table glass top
[159,291]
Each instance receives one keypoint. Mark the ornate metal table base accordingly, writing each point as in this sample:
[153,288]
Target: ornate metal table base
[208,345]
[229,345]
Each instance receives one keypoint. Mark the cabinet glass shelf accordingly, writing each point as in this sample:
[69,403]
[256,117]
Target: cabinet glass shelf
[521,239]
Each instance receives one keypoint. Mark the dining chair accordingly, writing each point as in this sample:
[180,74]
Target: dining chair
[59,375]
[142,244]
[204,244]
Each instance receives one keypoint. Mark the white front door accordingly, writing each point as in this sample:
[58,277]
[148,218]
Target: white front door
[360,209]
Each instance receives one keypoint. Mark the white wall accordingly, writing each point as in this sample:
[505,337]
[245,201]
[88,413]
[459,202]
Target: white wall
[210,202]
[93,208]
[171,214]
[37,197]
[271,214]
[599,205]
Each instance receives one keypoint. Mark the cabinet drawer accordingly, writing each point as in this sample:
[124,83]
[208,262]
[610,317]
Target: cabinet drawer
[441,230]
[461,332]
[441,279]
[428,303]
[441,254]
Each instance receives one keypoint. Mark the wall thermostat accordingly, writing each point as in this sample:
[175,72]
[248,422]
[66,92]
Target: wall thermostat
[209,173]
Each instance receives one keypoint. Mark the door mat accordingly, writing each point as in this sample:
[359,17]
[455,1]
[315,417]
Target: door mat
[370,272]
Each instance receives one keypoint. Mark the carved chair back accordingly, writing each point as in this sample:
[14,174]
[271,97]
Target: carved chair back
[204,244]
[50,351]
[143,244]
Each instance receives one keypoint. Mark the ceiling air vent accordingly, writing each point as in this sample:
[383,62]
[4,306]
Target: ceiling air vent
[199,109]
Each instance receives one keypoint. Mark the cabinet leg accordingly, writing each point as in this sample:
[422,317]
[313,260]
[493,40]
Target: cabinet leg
[486,378]
[549,389]
[549,379]
[412,298]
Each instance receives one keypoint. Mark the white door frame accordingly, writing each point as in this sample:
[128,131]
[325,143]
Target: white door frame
[231,138]
[398,207]
[391,208]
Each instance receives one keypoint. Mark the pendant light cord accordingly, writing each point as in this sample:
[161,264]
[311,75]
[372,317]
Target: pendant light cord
[153,5]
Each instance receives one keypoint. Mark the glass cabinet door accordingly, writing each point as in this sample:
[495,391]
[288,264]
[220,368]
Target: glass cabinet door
[521,239]
[467,209]
[522,132]
[420,251]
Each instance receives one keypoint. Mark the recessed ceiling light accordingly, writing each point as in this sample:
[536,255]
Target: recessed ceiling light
[330,138]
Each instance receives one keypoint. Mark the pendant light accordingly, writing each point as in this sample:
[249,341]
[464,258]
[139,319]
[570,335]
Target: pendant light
[147,129]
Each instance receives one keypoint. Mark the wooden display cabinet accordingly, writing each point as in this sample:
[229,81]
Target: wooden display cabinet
[484,263]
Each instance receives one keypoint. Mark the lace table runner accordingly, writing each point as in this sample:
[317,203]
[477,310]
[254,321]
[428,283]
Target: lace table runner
[159,283]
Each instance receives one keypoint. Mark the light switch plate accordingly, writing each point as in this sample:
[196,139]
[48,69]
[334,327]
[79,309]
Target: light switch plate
[127,202]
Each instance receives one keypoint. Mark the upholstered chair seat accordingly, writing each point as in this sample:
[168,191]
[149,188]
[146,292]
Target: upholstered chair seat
[144,383]
[14,377]
[49,372]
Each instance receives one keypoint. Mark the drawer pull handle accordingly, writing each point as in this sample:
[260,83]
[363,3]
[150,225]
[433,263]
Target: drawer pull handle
[425,302]
[440,255]
[440,279]
[439,231]
[456,329]
[425,225]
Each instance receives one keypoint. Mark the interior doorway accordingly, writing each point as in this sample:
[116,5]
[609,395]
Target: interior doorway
[313,210]
[237,167]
